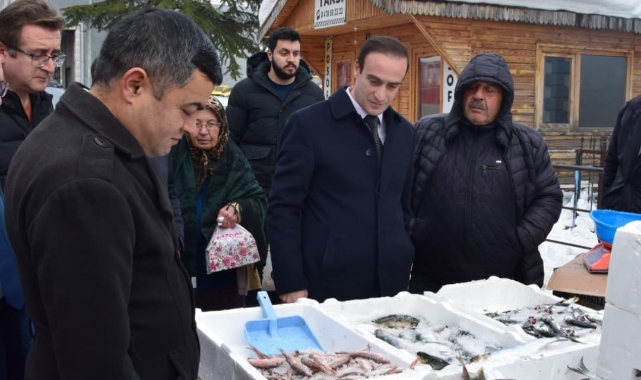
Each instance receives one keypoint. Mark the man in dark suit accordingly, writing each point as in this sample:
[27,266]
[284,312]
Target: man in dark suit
[89,217]
[338,211]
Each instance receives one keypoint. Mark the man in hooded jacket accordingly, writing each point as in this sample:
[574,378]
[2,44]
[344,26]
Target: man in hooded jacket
[278,83]
[485,195]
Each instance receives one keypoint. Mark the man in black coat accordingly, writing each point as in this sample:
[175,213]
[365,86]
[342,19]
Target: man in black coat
[338,212]
[485,195]
[278,83]
[622,173]
[89,217]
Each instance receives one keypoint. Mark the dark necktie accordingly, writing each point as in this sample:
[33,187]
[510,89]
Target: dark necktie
[373,122]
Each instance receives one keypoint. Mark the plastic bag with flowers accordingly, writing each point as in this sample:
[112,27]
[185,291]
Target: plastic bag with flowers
[231,248]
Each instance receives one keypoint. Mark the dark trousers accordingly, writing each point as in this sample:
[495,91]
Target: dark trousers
[15,341]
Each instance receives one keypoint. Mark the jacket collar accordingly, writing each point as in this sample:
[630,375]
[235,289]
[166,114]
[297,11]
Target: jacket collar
[90,111]
[41,105]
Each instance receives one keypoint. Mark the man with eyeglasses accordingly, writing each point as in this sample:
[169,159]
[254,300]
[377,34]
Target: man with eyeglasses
[30,36]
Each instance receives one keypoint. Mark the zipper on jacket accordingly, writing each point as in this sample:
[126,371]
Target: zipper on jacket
[469,192]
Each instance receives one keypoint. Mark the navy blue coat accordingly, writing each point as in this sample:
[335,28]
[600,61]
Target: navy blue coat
[337,221]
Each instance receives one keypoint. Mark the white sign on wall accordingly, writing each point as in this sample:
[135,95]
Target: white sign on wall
[449,84]
[327,84]
[329,13]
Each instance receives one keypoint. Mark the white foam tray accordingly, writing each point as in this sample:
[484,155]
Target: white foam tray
[358,313]
[339,326]
[498,295]
[494,295]
[224,350]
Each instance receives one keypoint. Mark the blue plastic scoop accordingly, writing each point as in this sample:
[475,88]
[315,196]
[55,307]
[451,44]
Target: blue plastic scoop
[272,334]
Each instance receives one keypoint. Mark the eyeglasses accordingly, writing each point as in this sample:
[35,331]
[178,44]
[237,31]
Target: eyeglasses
[38,60]
[209,125]
[4,86]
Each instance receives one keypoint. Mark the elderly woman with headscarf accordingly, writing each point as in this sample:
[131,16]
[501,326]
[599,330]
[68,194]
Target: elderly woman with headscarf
[215,182]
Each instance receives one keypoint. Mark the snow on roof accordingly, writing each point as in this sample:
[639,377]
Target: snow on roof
[265,9]
[618,8]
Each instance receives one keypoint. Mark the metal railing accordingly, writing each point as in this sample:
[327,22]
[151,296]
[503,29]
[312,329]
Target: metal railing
[594,169]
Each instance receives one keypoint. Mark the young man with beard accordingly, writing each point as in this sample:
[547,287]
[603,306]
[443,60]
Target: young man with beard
[485,195]
[89,218]
[338,213]
[278,83]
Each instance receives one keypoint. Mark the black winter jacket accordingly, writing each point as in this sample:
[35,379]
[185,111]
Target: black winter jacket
[622,172]
[256,114]
[15,126]
[484,198]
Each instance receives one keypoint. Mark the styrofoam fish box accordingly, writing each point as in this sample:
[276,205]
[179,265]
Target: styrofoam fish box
[624,284]
[495,295]
[224,349]
[620,350]
[549,364]
[359,315]
[499,295]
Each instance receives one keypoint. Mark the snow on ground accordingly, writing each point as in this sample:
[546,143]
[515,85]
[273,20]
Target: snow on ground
[555,255]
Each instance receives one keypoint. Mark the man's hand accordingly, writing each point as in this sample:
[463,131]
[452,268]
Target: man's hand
[293,296]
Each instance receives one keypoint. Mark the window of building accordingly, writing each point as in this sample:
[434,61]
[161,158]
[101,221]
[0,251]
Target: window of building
[580,88]
[602,91]
[429,89]
[556,99]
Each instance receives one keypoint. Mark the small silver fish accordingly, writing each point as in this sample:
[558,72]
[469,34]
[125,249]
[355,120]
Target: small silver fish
[388,338]
[397,321]
[557,329]
[578,322]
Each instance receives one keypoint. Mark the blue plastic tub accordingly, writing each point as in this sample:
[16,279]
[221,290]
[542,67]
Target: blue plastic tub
[607,222]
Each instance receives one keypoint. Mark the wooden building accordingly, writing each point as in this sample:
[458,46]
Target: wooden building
[572,72]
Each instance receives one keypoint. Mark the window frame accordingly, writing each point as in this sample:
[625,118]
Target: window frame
[573,52]
[416,52]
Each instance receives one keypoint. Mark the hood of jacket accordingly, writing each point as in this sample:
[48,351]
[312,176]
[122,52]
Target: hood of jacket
[491,68]
[260,62]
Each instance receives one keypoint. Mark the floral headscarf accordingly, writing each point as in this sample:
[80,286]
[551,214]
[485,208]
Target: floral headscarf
[205,160]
